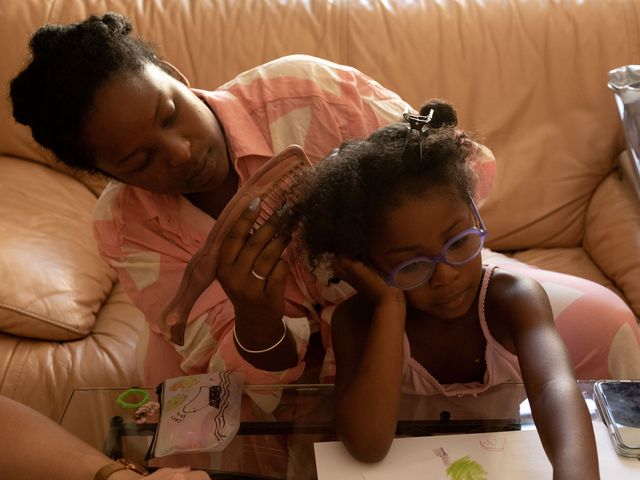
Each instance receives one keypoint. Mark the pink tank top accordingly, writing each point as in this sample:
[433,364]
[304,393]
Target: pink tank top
[502,365]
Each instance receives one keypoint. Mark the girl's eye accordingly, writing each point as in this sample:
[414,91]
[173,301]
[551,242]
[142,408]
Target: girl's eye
[412,267]
[459,243]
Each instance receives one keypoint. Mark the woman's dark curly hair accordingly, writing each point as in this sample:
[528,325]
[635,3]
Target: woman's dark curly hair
[69,63]
[351,190]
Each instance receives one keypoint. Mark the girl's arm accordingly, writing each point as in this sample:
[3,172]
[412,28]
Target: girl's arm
[558,408]
[368,339]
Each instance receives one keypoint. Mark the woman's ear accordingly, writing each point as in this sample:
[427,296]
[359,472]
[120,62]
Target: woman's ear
[175,73]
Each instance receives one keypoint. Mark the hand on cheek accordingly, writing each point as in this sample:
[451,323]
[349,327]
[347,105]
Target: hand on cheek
[365,280]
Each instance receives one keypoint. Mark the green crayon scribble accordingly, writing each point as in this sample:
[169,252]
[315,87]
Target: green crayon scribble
[466,469]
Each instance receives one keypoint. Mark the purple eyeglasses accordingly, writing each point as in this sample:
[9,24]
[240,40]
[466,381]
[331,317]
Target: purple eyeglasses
[458,250]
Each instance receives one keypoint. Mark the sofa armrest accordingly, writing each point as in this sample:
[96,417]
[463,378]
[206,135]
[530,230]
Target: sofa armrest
[54,281]
[630,172]
[612,236]
[43,374]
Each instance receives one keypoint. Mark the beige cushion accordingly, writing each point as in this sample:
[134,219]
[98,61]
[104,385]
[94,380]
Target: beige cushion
[53,279]
[572,261]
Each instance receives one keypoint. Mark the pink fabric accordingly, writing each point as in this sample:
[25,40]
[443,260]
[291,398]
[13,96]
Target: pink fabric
[502,365]
[598,328]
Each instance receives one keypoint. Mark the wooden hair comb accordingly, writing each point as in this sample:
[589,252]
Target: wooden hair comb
[275,183]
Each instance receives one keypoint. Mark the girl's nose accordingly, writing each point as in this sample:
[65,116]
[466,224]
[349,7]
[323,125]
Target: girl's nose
[178,150]
[443,274]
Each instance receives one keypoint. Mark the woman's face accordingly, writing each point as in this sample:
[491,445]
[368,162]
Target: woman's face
[421,226]
[150,130]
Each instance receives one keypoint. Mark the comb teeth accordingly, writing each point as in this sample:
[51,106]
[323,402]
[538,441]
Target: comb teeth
[285,192]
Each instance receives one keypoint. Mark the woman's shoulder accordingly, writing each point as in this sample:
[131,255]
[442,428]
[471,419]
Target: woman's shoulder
[299,66]
[109,196]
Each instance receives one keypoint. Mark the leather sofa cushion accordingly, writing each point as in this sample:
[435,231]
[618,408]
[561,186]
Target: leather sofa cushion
[53,279]
[611,235]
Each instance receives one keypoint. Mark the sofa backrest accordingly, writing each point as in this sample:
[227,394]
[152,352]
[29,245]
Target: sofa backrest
[527,77]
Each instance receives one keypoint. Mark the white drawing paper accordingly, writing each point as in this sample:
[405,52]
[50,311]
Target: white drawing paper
[479,456]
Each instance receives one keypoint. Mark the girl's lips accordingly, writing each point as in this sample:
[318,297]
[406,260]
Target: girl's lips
[453,300]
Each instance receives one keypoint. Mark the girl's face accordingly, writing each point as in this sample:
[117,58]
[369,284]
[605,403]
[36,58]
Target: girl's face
[421,226]
[150,130]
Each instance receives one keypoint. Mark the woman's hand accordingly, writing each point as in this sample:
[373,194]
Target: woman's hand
[366,281]
[251,269]
[253,274]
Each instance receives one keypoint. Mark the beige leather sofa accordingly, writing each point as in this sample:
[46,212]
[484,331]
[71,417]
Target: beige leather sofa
[527,76]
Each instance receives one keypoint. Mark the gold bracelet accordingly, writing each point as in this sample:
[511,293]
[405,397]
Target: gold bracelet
[284,334]
[120,464]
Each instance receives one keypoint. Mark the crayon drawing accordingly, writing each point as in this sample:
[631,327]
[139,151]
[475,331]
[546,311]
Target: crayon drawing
[462,469]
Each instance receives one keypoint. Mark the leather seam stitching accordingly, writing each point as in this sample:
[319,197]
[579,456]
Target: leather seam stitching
[42,318]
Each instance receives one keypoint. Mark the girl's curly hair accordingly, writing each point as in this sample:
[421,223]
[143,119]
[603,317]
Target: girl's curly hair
[351,190]
[55,92]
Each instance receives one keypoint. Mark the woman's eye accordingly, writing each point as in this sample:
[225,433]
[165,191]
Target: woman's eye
[144,164]
[169,120]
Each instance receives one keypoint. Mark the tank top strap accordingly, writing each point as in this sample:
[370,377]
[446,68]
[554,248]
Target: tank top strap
[488,272]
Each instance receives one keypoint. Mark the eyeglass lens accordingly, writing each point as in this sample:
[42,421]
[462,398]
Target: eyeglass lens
[458,251]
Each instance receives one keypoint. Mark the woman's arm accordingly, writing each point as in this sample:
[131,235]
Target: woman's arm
[558,408]
[33,446]
[368,339]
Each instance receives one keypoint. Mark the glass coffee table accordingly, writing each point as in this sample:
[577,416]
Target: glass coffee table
[276,438]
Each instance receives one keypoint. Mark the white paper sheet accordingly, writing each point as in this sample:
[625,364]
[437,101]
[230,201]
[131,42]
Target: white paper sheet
[501,455]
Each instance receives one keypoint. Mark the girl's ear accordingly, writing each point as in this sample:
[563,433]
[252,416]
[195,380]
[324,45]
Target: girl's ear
[175,73]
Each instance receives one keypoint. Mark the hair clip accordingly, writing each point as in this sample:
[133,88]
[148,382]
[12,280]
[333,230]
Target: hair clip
[418,122]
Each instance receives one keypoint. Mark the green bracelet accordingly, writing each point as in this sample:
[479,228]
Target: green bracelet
[122,398]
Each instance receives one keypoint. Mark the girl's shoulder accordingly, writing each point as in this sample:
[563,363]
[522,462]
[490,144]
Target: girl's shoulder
[515,298]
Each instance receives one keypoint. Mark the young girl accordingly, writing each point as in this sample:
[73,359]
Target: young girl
[428,316]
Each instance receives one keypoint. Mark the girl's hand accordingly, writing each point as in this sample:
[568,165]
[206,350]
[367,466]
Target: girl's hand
[366,280]
[253,275]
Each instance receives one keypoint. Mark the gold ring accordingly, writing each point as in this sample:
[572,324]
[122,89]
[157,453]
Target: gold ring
[258,276]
